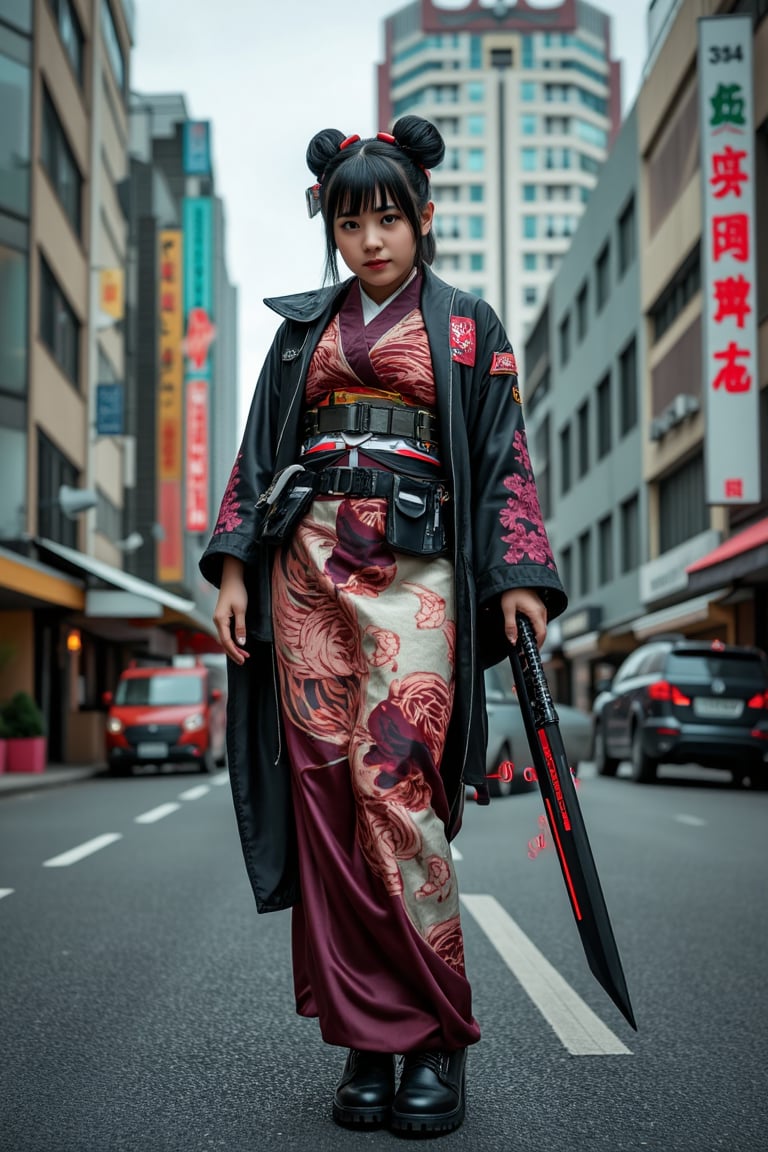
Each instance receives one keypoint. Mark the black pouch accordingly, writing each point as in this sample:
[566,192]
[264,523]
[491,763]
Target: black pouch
[416,517]
[285,502]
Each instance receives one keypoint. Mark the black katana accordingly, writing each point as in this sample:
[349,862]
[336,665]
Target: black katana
[565,819]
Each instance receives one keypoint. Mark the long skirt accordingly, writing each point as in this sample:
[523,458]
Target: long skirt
[365,650]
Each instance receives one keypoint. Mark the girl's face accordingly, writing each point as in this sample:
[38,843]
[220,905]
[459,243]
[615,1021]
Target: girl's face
[379,247]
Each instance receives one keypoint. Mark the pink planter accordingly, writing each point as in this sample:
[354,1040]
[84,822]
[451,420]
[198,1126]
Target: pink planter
[25,754]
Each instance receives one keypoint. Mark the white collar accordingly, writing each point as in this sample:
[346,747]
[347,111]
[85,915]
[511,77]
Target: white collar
[371,309]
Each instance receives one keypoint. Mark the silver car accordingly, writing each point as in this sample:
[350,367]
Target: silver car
[508,762]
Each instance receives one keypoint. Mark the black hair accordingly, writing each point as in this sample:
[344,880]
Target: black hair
[352,179]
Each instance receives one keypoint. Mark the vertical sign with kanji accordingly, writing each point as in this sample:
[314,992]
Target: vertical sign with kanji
[170,425]
[730,365]
[199,336]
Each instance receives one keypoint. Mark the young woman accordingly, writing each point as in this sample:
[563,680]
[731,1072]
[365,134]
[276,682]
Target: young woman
[385,453]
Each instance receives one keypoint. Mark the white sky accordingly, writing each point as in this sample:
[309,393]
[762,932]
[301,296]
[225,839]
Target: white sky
[269,74]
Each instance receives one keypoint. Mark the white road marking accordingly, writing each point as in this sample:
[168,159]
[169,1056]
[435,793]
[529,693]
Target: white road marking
[580,1030]
[82,850]
[5,892]
[222,778]
[158,813]
[694,821]
[195,793]
[455,853]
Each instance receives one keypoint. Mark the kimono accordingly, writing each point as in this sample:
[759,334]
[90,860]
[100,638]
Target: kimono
[371,657]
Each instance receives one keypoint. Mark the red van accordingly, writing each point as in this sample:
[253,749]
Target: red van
[165,715]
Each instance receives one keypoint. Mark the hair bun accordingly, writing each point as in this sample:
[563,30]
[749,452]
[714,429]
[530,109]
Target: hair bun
[420,140]
[321,148]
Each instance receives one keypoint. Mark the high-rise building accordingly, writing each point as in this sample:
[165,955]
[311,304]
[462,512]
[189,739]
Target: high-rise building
[528,100]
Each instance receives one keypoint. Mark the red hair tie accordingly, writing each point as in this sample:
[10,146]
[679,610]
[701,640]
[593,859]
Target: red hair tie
[386,137]
[349,140]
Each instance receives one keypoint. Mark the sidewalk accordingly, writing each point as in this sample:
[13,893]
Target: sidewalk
[53,776]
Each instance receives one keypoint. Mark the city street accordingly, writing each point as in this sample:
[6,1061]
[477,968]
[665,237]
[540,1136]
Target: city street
[145,1007]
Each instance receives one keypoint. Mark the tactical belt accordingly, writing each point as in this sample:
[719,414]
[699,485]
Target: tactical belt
[410,423]
[352,482]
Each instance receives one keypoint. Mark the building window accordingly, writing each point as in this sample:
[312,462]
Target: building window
[476,227]
[543,467]
[530,225]
[530,261]
[591,134]
[582,419]
[529,125]
[502,58]
[13,322]
[113,46]
[682,504]
[628,388]
[59,327]
[109,518]
[565,459]
[529,192]
[14,136]
[581,312]
[565,340]
[604,416]
[602,277]
[447,227]
[683,286]
[476,89]
[447,125]
[446,193]
[476,160]
[605,550]
[630,535]
[59,162]
[566,569]
[528,91]
[589,164]
[585,563]
[557,157]
[53,470]
[71,33]
[530,295]
[476,193]
[627,243]
[528,159]
[477,262]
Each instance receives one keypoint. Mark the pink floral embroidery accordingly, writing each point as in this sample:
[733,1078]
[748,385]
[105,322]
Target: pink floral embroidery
[521,515]
[230,505]
[447,940]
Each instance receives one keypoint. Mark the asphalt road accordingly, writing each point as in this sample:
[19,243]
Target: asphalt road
[145,1007]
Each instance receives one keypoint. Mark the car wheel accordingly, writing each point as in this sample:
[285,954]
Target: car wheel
[643,766]
[606,765]
[501,785]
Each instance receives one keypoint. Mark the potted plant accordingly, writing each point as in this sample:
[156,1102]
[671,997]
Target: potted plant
[25,743]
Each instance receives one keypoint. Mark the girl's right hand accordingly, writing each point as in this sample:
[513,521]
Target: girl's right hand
[229,615]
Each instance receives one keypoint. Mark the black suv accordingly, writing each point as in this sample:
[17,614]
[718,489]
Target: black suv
[683,701]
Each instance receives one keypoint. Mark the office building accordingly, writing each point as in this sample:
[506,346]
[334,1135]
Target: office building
[528,101]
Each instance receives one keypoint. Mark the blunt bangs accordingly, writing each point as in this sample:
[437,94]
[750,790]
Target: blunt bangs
[363,182]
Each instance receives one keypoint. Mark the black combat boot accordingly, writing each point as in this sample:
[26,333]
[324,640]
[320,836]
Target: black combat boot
[431,1096]
[365,1091]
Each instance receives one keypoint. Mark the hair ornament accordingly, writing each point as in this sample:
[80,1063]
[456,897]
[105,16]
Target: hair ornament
[313,200]
[387,137]
[349,140]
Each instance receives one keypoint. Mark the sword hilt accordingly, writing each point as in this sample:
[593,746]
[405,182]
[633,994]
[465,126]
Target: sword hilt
[533,672]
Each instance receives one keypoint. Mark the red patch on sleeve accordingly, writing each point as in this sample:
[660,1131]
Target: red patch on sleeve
[463,340]
[503,364]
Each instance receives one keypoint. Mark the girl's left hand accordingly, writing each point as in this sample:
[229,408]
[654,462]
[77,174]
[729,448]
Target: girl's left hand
[524,600]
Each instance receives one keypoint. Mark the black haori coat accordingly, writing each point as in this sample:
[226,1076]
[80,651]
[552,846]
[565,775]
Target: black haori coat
[499,543]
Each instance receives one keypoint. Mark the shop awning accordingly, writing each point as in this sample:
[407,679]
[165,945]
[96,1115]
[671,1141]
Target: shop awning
[676,616]
[744,554]
[27,584]
[125,595]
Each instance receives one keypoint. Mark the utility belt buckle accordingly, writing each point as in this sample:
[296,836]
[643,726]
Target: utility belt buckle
[343,481]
